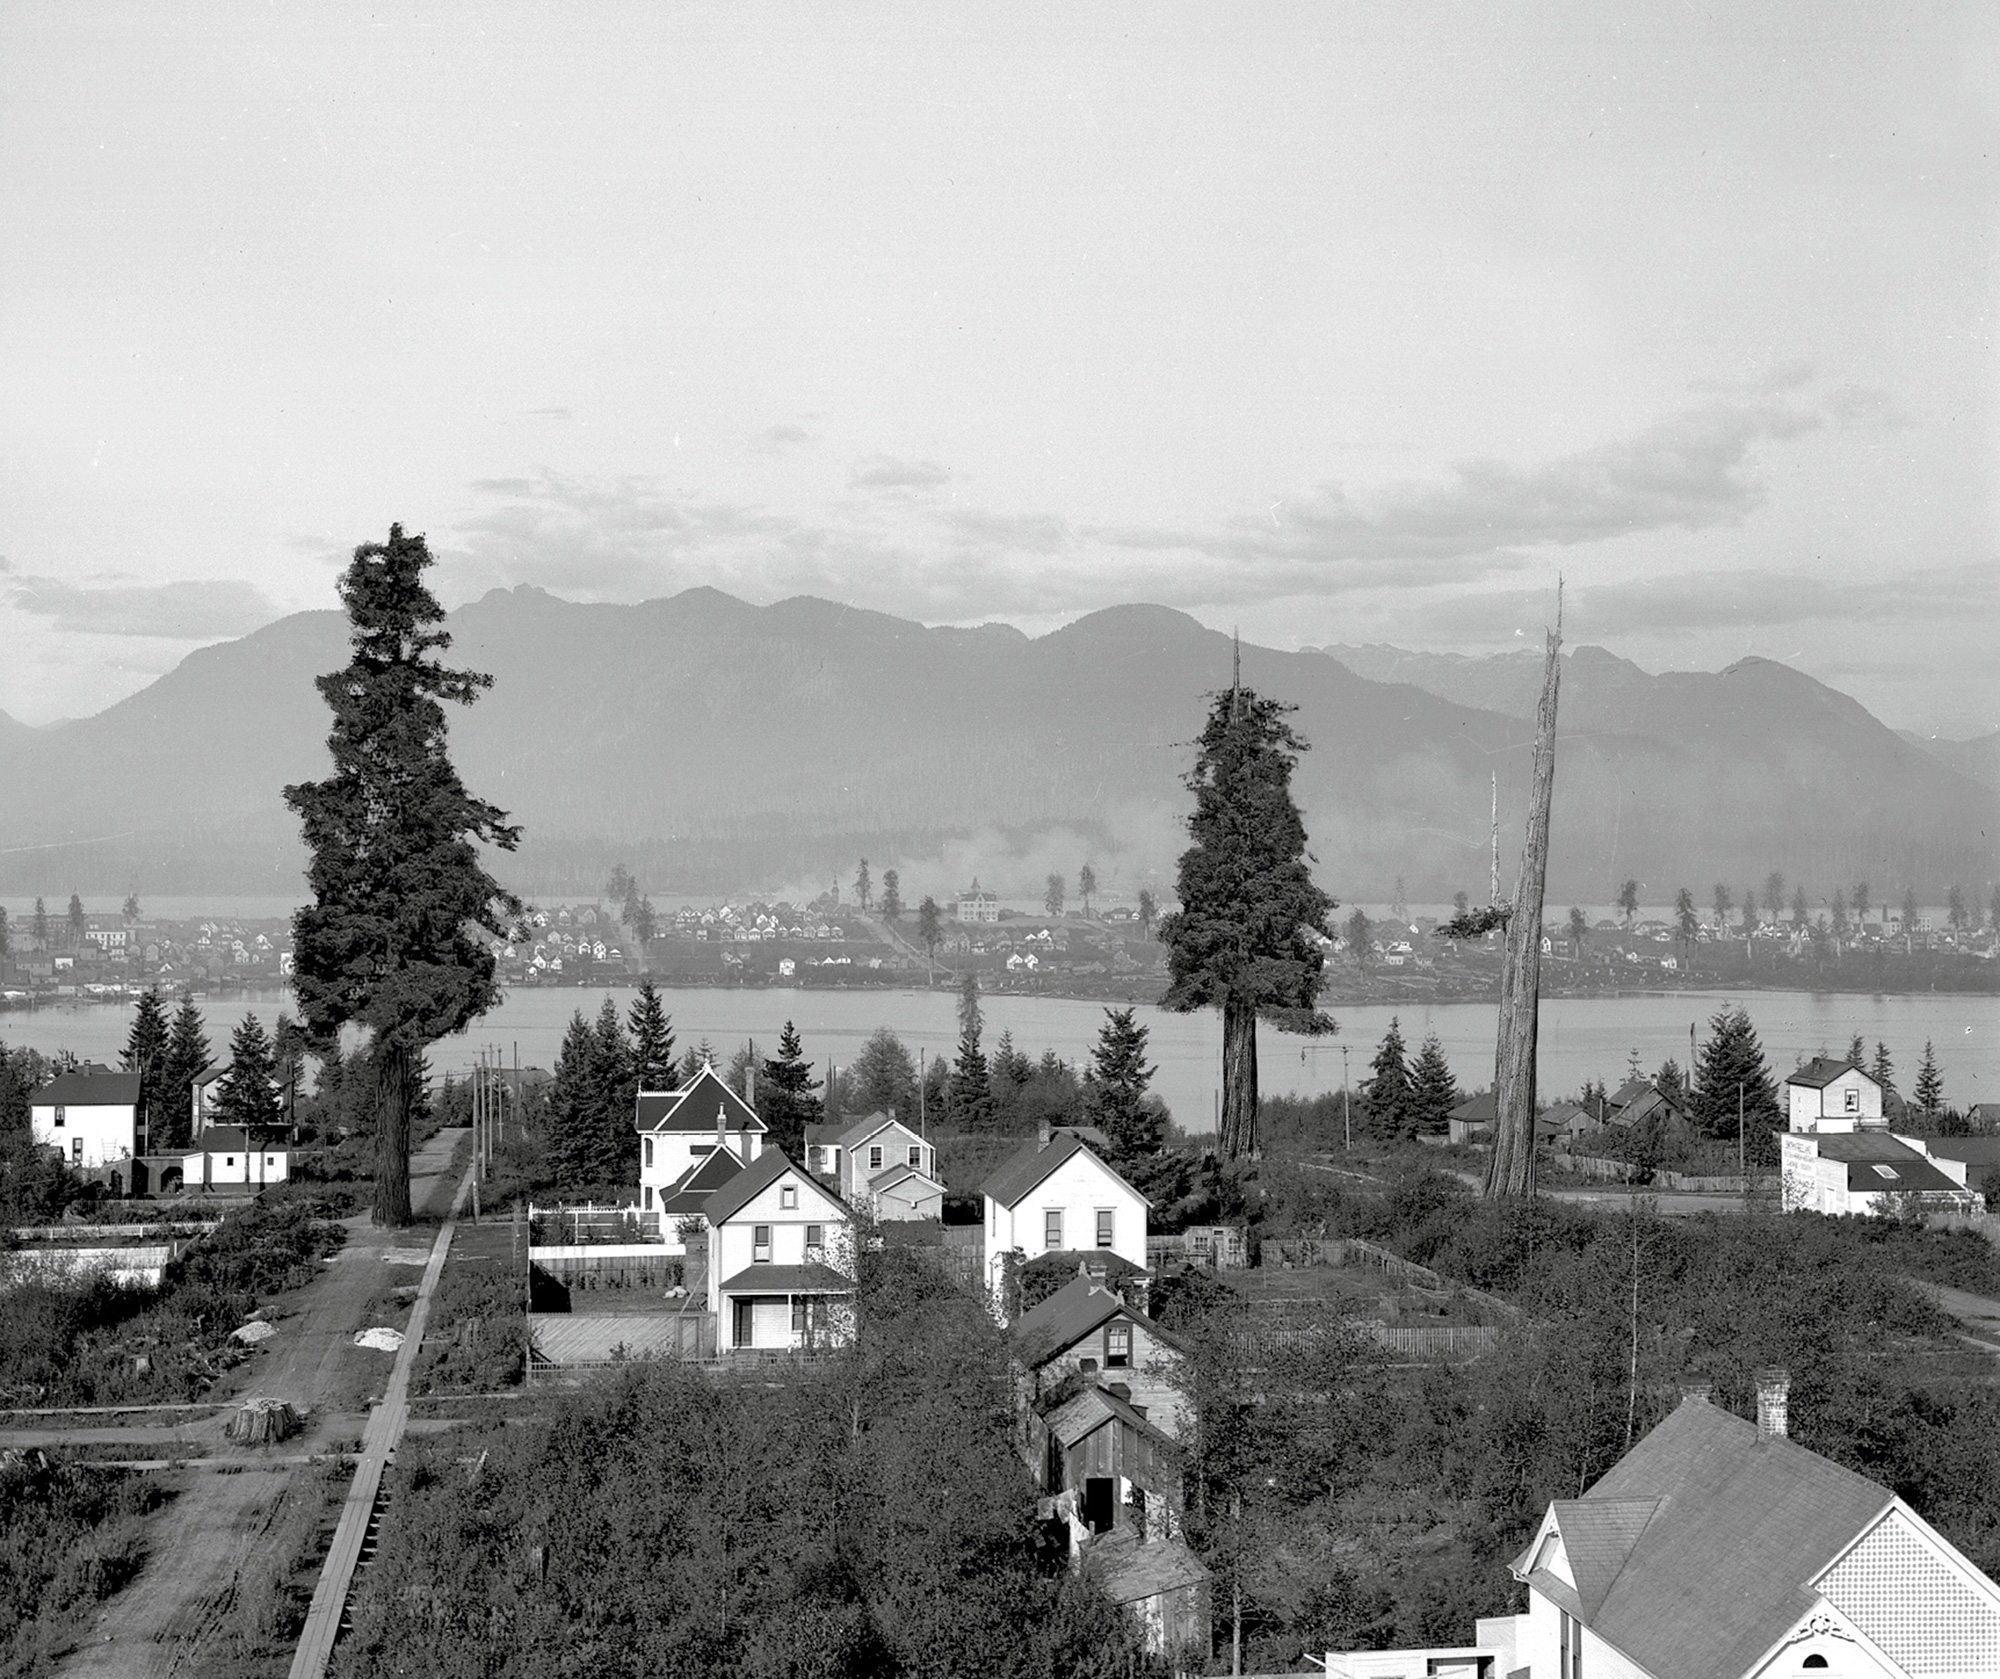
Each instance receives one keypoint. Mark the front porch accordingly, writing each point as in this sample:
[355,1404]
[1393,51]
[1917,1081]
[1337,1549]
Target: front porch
[785,1308]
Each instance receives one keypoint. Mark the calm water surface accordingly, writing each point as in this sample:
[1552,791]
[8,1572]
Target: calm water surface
[1585,1037]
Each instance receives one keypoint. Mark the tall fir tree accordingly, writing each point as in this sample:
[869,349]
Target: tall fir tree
[6,937]
[1857,1052]
[246,1094]
[146,1054]
[590,1104]
[1928,1091]
[892,896]
[39,925]
[652,1030]
[969,1098]
[697,1057]
[1882,1069]
[1433,1090]
[400,935]
[188,1057]
[788,1097]
[1115,1087]
[1732,1058]
[1388,1092]
[77,922]
[863,888]
[1245,939]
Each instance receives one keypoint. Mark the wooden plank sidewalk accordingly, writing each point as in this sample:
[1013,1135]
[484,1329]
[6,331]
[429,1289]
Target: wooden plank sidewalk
[378,1442]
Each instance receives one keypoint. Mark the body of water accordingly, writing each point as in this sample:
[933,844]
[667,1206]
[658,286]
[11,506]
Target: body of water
[1581,1038]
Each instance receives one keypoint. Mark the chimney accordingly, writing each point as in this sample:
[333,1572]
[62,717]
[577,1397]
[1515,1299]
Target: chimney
[750,1080]
[1773,1387]
[1704,1391]
[1042,1133]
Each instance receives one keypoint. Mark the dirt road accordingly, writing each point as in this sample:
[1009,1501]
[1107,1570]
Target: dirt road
[200,1541]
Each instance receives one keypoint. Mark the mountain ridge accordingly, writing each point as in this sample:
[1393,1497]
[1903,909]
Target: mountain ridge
[721,746]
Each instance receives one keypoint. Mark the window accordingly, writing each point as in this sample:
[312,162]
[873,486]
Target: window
[788,1197]
[798,1314]
[649,1195]
[1117,1346]
[875,1158]
[760,1244]
[649,1151]
[60,1113]
[1885,1171]
[916,1157]
[1105,1218]
[76,1149]
[1851,1101]
[815,1238]
[1052,1228]
[229,1160]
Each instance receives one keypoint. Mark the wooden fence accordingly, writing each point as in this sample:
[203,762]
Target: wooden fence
[591,1225]
[594,1266]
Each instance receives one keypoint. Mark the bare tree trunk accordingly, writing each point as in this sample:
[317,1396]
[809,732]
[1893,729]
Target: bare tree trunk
[1239,1080]
[1511,1172]
[393,1073]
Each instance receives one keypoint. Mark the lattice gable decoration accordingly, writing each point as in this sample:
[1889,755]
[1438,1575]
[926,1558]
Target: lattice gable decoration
[1913,1595]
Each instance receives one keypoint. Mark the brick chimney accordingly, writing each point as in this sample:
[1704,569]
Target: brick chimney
[1773,1388]
[1042,1133]
[1704,1391]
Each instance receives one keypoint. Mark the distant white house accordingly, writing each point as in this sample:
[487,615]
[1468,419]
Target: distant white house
[1827,1095]
[223,1156]
[678,1129]
[1718,1549]
[780,1260]
[91,1115]
[1054,1196]
[975,903]
[1838,1155]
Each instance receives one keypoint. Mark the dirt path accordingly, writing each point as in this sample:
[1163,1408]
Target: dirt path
[198,1543]
[1978,1315]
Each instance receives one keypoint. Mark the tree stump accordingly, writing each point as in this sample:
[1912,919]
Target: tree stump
[263,1422]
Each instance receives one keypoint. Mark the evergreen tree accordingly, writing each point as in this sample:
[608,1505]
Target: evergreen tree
[1115,1087]
[1799,915]
[1774,896]
[399,935]
[1628,901]
[1909,914]
[1723,904]
[1954,908]
[644,921]
[1857,1052]
[146,1054]
[40,925]
[787,1099]
[1579,928]
[1749,912]
[77,922]
[1929,1088]
[188,1057]
[1670,1081]
[1149,909]
[1733,1057]
[1086,886]
[1433,1090]
[698,1056]
[864,889]
[1388,1093]
[131,910]
[590,1104]
[652,1031]
[1246,937]
[969,1100]
[1052,895]
[245,1095]
[930,926]
[1359,932]
[1686,922]
[882,1079]
[571,1152]
[1009,1069]
[892,896]
[1882,1070]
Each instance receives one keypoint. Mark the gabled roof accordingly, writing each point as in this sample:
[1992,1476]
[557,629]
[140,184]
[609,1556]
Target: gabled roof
[823,1135]
[757,1177]
[226,1137]
[88,1090]
[1128,1569]
[1822,1070]
[890,1176]
[1079,1308]
[862,1129]
[1742,1523]
[698,1105]
[1474,1109]
[1085,1413]
[689,1192]
[1033,1163]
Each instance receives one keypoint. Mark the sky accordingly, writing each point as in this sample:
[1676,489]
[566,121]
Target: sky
[1332,323]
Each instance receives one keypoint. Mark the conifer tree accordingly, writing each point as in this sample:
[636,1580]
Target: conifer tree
[1086,886]
[1733,1057]
[1857,1052]
[930,926]
[245,1095]
[188,1057]
[787,1099]
[1388,1092]
[77,922]
[146,1054]
[1149,909]
[40,925]
[863,889]
[1433,1090]
[1929,1088]
[1115,1086]
[892,896]
[882,1079]
[6,939]
[590,1104]
[969,1098]
[1245,939]
[698,1056]
[652,1039]
[1882,1069]
[399,937]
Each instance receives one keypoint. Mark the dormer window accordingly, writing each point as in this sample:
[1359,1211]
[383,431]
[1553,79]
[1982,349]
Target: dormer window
[1885,1171]
[788,1198]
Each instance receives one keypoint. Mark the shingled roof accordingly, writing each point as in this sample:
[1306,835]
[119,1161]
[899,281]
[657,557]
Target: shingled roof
[1875,1160]
[704,1103]
[1081,1306]
[757,1177]
[1034,1162]
[1697,1552]
[1822,1070]
[88,1090]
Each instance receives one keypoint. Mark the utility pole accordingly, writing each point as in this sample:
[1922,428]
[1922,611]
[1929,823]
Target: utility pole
[1346,1105]
[1494,888]
[1741,1170]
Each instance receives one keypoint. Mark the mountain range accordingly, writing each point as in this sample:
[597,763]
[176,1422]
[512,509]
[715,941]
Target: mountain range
[716,746]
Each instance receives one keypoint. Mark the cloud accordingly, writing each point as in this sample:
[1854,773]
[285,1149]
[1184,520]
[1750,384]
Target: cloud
[886,472]
[202,609]
[775,440]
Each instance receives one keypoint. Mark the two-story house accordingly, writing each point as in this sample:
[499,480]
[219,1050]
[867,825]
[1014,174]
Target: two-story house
[1718,1549]
[1838,1156]
[1084,1329]
[1056,1195]
[878,1163]
[678,1129]
[1828,1095]
[780,1260]
[90,1115]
